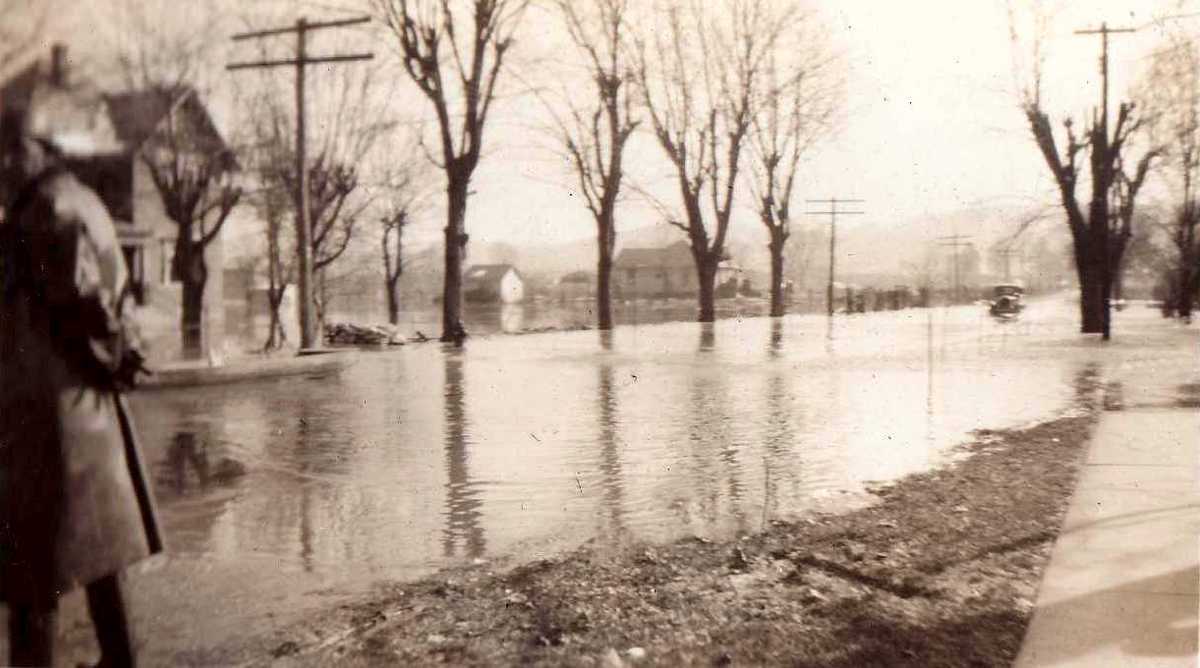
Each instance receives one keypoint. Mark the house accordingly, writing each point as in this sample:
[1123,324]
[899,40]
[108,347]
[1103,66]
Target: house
[119,128]
[493,283]
[576,285]
[642,273]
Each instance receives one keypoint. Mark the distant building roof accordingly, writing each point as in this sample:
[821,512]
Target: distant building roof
[488,273]
[577,277]
[677,255]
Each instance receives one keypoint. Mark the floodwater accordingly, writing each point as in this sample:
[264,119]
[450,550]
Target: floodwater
[282,496]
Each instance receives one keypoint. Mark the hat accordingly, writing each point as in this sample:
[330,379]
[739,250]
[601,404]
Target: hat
[71,117]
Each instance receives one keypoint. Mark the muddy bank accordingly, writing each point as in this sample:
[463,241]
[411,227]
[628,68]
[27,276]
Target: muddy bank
[942,570]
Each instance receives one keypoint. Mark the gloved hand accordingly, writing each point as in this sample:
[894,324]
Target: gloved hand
[132,364]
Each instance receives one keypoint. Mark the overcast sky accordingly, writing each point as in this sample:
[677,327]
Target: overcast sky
[931,126]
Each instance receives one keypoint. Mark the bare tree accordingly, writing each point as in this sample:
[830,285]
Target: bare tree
[456,63]
[405,195]
[796,106]
[194,175]
[392,244]
[1100,233]
[337,199]
[192,168]
[594,134]
[267,156]
[698,76]
[1172,91]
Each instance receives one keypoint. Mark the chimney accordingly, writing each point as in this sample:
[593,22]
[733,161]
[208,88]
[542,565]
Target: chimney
[58,64]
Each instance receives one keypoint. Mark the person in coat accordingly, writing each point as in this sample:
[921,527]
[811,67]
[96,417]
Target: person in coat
[75,504]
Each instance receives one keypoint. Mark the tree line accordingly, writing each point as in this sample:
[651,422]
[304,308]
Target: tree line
[735,94]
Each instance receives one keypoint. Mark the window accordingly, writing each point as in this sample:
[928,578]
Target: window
[135,264]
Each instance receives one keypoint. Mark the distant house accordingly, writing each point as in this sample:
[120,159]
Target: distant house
[576,285]
[118,128]
[493,283]
[642,273]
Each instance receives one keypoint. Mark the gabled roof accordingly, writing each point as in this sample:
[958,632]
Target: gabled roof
[488,273]
[677,255]
[138,114]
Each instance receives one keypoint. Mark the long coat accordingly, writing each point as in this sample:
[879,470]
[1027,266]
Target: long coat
[75,503]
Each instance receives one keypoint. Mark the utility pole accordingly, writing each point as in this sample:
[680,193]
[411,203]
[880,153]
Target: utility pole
[1104,31]
[955,241]
[308,325]
[1099,227]
[833,213]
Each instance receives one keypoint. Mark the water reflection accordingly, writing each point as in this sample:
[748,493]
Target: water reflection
[463,529]
[414,459]
[779,437]
[1087,380]
[715,444]
[606,339]
[187,451]
[708,336]
[608,423]
[775,346]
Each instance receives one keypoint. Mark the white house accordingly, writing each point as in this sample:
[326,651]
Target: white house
[493,283]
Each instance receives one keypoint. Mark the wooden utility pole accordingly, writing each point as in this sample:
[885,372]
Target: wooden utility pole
[1104,31]
[1099,225]
[308,325]
[955,241]
[833,213]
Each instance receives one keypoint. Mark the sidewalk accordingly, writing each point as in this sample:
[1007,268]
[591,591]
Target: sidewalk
[184,374]
[1121,585]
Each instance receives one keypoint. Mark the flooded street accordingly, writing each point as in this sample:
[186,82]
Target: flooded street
[281,496]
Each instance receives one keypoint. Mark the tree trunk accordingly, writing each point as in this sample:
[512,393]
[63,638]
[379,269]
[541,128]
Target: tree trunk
[456,242]
[193,275]
[706,272]
[393,300]
[776,247]
[604,263]
[276,335]
[320,301]
[192,319]
[1183,305]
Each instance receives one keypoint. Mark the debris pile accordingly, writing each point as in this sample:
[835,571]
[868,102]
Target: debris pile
[349,334]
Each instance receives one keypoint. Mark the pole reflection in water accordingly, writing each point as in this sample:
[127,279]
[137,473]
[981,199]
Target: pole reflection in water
[462,501]
[304,438]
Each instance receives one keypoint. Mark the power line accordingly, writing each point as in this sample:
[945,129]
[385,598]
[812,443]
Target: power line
[833,213]
[308,333]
